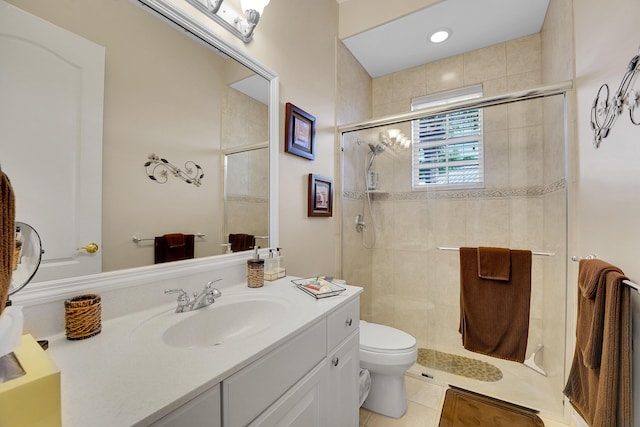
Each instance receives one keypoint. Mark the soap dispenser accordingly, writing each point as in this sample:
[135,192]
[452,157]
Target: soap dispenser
[270,266]
[279,264]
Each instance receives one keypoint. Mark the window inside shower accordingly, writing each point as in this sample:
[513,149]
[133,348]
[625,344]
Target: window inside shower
[399,245]
[447,147]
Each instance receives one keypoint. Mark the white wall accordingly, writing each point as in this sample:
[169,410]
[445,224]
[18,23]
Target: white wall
[606,214]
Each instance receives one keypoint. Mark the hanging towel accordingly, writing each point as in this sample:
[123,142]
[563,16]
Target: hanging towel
[242,242]
[173,247]
[7,236]
[494,263]
[175,240]
[494,314]
[599,385]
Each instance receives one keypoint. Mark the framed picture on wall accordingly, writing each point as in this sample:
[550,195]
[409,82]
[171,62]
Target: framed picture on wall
[320,196]
[300,132]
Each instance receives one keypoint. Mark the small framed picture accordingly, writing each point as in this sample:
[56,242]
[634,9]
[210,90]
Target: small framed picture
[300,132]
[320,196]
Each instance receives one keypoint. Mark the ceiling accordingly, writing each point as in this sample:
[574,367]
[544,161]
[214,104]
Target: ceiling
[404,43]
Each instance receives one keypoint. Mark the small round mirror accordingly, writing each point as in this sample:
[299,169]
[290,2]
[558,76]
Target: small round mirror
[26,257]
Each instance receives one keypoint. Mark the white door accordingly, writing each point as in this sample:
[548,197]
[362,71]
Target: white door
[51,101]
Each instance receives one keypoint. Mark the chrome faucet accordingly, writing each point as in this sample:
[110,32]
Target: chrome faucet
[206,297]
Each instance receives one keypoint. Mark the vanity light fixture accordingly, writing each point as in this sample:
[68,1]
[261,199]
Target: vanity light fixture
[440,35]
[238,25]
[158,170]
[605,111]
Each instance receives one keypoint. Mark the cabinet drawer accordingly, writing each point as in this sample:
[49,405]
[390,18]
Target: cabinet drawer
[202,410]
[342,322]
[247,393]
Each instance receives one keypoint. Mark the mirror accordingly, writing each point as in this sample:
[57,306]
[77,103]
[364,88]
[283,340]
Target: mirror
[167,91]
[26,257]
[245,206]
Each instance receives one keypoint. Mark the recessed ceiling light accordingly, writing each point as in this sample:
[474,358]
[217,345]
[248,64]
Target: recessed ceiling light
[440,35]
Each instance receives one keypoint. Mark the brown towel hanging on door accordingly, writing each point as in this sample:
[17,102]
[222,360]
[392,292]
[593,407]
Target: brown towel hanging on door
[8,236]
[599,386]
[494,314]
[173,247]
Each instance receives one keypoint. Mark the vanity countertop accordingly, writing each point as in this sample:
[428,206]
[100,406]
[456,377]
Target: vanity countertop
[123,378]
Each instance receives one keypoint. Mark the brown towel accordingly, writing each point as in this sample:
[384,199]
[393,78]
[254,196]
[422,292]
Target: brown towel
[242,242]
[7,236]
[599,384]
[175,240]
[494,263]
[168,248]
[494,314]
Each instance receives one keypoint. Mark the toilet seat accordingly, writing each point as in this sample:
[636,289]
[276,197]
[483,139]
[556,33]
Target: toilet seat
[376,338]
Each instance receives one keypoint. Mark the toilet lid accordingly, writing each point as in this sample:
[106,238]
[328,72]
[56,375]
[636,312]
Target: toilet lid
[380,338]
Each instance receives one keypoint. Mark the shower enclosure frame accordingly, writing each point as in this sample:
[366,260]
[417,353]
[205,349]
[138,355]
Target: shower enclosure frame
[558,89]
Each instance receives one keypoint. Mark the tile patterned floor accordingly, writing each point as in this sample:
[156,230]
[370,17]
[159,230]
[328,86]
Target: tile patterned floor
[424,402]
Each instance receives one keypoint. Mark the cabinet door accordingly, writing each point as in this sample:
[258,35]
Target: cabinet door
[201,411]
[344,386]
[304,405]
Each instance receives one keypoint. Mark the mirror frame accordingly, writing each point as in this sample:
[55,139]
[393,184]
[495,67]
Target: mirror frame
[33,237]
[174,15]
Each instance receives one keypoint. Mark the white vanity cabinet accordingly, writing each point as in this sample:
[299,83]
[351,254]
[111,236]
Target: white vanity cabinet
[300,371]
[311,380]
[343,342]
[201,411]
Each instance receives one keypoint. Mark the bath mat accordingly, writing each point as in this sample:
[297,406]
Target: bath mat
[465,409]
[458,365]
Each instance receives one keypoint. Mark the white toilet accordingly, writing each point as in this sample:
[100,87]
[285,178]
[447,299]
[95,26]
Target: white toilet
[386,353]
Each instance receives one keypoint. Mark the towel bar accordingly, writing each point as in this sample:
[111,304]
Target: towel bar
[443,248]
[629,283]
[136,239]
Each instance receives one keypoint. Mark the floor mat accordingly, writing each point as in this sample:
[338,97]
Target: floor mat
[458,365]
[467,409]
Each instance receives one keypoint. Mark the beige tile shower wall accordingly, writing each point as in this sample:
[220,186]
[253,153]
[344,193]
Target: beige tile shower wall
[353,104]
[416,287]
[245,122]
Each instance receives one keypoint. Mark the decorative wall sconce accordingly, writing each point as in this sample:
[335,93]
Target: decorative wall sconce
[158,170]
[604,111]
[239,26]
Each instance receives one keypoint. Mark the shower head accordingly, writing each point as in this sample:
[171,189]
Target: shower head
[376,149]
[392,139]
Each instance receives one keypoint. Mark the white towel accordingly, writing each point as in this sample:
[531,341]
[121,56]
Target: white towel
[11,322]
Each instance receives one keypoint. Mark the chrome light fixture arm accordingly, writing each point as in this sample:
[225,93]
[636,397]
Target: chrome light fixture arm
[605,111]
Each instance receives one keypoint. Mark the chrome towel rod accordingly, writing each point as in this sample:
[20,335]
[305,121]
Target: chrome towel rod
[629,283]
[443,248]
[136,239]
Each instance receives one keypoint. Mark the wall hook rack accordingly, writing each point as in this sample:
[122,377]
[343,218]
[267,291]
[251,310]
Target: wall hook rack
[605,111]
[158,170]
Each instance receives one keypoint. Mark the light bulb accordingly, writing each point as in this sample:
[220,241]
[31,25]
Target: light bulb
[393,133]
[440,35]
[257,5]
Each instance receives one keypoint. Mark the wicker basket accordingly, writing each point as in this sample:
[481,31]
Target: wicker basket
[82,316]
[255,273]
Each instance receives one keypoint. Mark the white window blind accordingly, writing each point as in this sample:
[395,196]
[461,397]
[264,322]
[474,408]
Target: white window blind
[447,148]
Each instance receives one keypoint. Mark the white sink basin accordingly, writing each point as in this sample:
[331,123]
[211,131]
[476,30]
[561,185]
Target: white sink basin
[230,318]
